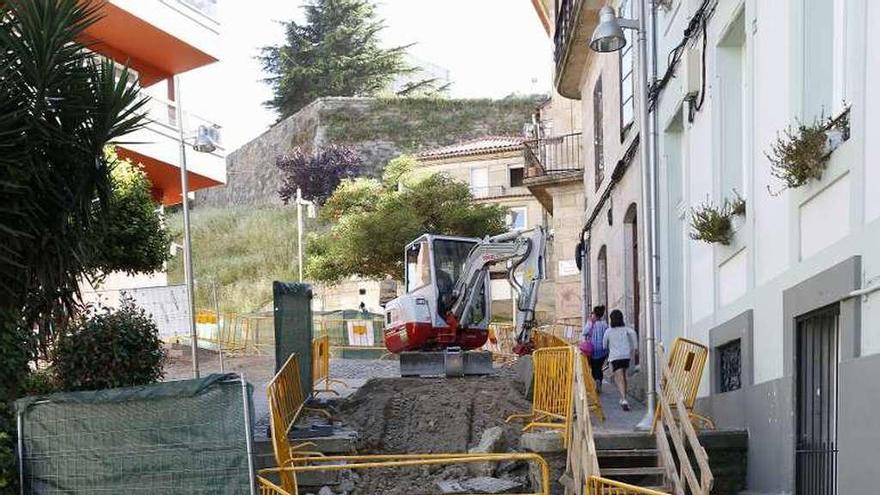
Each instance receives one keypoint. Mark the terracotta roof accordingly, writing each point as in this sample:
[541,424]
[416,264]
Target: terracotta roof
[479,146]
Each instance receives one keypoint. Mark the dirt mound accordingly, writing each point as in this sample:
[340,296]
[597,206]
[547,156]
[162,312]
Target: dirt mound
[431,415]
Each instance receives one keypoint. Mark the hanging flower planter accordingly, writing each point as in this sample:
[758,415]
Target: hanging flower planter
[801,154]
[714,224]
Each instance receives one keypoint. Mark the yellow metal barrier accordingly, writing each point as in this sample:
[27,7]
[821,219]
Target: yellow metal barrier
[321,366]
[380,461]
[590,386]
[551,391]
[686,363]
[286,402]
[602,486]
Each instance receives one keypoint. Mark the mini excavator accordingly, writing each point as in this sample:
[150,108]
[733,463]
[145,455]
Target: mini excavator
[444,316]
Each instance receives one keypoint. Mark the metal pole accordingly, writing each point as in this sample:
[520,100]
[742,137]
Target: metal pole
[20,429]
[586,275]
[247,432]
[299,232]
[187,237]
[647,213]
[217,312]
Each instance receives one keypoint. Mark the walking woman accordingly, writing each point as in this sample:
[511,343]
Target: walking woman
[593,344]
[621,342]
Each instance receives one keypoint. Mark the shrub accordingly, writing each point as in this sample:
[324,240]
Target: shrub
[8,472]
[801,154]
[712,224]
[109,349]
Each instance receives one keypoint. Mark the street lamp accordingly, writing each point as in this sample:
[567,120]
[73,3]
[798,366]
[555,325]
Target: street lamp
[608,37]
[204,142]
[300,225]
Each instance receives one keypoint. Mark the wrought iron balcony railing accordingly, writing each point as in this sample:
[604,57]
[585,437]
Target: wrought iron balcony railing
[553,155]
[565,20]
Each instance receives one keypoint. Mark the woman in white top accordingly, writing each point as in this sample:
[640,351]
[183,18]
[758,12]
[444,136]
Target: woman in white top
[621,342]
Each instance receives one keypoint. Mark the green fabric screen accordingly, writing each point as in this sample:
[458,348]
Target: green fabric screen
[183,437]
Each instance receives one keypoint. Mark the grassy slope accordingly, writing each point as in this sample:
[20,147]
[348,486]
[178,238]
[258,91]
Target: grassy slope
[243,249]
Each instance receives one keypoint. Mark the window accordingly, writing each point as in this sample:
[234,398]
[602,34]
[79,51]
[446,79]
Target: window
[817,33]
[731,87]
[480,182]
[517,218]
[515,174]
[418,266]
[730,366]
[602,276]
[598,138]
[627,79]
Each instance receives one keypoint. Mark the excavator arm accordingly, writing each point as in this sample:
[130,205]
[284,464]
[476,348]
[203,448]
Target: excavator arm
[524,252]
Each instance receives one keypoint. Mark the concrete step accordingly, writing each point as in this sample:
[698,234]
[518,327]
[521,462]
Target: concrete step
[627,453]
[627,458]
[614,473]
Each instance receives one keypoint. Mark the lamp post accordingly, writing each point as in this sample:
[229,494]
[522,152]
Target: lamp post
[608,37]
[300,225]
[203,144]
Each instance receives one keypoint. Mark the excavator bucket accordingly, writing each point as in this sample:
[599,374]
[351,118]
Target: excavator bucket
[450,363]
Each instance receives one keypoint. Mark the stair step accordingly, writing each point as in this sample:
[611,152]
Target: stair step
[664,488]
[633,471]
[627,453]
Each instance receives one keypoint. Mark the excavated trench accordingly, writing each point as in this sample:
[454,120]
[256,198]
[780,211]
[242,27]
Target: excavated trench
[434,415]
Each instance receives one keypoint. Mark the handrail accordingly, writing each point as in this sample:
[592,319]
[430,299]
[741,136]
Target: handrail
[553,154]
[604,486]
[677,425]
[374,461]
[582,462]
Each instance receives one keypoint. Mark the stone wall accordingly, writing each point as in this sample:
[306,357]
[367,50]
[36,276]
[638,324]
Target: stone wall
[379,128]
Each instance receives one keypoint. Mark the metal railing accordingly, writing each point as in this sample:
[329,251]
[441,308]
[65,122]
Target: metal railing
[565,20]
[488,192]
[551,391]
[385,461]
[321,367]
[550,155]
[603,486]
[673,422]
[582,462]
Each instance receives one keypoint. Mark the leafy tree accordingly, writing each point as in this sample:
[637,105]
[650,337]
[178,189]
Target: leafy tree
[336,52]
[318,173]
[373,221]
[109,349]
[130,237]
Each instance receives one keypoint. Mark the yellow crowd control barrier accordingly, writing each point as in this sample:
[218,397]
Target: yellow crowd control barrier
[386,461]
[551,391]
[286,401]
[686,362]
[321,366]
[590,386]
[601,486]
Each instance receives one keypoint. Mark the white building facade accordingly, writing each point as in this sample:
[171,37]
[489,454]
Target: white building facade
[786,307]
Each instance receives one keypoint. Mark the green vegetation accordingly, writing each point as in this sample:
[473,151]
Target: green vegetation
[241,249]
[109,349]
[335,52]
[416,123]
[800,154]
[713,223]
[371,221]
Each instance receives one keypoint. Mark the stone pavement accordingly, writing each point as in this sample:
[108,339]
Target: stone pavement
[616,419]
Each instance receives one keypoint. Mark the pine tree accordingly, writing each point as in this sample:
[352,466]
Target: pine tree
[336,52]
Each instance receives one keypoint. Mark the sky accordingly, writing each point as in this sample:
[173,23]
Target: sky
[492,48]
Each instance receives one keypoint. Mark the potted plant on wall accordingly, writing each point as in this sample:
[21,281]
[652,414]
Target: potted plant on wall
[800,155]
[715,224]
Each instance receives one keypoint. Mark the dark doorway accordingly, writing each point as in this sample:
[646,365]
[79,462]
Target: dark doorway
[631,257]
[816,396]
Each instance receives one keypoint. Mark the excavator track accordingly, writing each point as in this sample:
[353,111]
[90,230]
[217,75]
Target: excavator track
[452,362]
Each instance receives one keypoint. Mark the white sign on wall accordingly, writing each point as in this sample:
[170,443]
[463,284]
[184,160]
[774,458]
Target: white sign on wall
[168,307]
[567,267]
[360,333]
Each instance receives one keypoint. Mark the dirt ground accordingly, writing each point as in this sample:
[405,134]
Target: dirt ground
[419,415]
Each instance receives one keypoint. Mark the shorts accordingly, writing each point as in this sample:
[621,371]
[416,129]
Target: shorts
[619,364]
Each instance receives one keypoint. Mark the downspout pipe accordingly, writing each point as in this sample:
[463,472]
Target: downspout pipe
[648,214]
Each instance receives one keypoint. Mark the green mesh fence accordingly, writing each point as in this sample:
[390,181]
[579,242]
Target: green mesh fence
[293,328]
[185,437]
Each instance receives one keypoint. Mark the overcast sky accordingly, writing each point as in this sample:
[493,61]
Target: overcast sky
[492,48]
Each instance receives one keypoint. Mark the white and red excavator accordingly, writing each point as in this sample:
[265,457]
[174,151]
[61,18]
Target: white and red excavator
[444,316]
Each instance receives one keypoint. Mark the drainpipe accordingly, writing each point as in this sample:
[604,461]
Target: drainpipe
[586,301]
[648,213]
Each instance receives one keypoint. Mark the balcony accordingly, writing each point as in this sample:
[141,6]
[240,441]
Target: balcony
[552,161]
[575,22]
[158,38]
[157,148]
[492,192]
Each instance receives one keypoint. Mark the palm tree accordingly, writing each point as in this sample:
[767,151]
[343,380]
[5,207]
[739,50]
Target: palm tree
[60,104]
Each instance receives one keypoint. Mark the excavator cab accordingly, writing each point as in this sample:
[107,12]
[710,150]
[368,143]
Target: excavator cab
[444,316]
